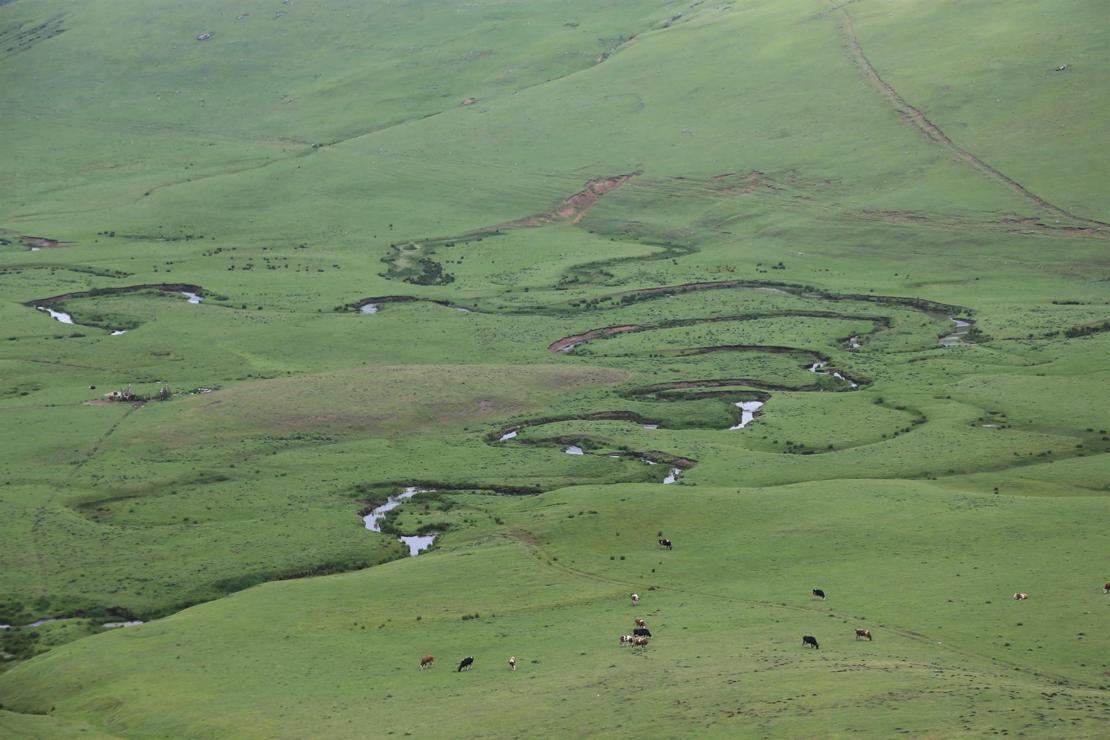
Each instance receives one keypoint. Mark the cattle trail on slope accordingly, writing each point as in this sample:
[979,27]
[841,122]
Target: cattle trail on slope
[39,525]
[921,122]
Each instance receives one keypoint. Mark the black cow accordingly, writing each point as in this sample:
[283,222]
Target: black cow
[466,663]
[642,632]
[810,640]
[818,593]
[665,543]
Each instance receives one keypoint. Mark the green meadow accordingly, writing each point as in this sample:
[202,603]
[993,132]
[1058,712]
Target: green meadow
[527,259]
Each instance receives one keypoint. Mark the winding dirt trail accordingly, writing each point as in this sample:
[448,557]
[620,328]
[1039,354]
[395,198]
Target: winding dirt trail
[916,118]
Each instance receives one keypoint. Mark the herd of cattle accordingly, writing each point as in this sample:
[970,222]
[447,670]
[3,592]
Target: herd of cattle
[641,635]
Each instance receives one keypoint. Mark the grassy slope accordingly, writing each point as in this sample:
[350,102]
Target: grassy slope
[197,165]
[209,495]
[998,93]
[337,655]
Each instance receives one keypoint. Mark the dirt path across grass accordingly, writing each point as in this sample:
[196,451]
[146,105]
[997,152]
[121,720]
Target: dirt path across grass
[921,122]
[40,523]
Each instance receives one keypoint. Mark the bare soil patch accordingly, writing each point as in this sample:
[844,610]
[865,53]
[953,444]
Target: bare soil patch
[574,208]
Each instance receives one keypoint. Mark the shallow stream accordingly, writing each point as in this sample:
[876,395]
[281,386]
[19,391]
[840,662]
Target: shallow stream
[748,410]
[61,316]
[415,543]
[958,335]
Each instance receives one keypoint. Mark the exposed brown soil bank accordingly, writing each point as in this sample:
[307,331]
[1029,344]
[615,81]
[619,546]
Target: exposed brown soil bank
[742,183]
[773,349]
[665,391]
[566,344]
[375,300]
[41,242]
[167,287]
[660,457]
[572,209]
[586,442]
[441,487]
[804,291]
[496,436]
[1023,225]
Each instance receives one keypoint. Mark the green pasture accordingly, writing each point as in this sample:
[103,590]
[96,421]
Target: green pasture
[952,653]
[796,180]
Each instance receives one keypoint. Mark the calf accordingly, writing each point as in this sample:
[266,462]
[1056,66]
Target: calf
[635,599]
[818,593]
[665,543]
[640,622]
[427,661]
[641,632]
[466,663]
[860,634]
[1021,596]
[810,640]
[512,662]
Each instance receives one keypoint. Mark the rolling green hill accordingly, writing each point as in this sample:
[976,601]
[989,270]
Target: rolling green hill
[360,247]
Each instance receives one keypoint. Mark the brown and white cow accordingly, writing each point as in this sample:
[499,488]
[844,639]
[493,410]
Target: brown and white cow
[639,621]
[862,633]
[1106,588]
[626,640]
[635,599]
[1021,596]
[639,642]
[427,661]
[512,662]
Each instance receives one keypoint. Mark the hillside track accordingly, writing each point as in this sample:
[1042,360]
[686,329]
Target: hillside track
[916,118]
[40,525]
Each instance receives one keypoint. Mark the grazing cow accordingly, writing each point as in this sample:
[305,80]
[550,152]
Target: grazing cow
[512,662]
[427,661]
[1106,588]
[641,632]
[466,663]
[861,633]
[810,640]
[1021,596]
[818,593]
[626,639]
[665,543]
[640,622]
[639,642]
[635,599]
